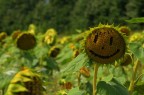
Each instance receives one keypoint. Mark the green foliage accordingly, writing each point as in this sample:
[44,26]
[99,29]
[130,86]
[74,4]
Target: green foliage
[16,14]
[75,65]
[78,19]
[137,50]
[66,15]
[134,8]
[61,74]
[58,13]
[112,87]
[136,20]
[75,91]
[140,87]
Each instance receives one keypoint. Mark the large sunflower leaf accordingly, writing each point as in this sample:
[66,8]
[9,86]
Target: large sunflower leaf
[137,50]
[73,66]
[112,87]
[139,87]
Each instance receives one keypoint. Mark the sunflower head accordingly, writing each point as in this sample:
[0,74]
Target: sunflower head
[54,51]
[3,35]
[104,44]
[26,41]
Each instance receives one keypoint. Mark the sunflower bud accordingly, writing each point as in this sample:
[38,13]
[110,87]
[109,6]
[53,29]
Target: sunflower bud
[85,72]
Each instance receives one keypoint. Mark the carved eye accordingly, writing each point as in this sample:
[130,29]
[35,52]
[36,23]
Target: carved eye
[111,40]
[95,39]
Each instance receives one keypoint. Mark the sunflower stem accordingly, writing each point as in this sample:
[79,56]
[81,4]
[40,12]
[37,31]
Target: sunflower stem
[132,83]
[79,79]
[96,66]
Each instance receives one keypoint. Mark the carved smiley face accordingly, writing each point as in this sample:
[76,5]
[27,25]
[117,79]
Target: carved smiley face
[105,45]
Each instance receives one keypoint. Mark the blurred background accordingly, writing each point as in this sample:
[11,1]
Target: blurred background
[67,15]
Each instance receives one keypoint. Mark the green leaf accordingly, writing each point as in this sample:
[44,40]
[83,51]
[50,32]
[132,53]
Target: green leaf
[16,88]
[65,55]
[112,87]
[80,61]
[135,93]
[4,81]
[136,20]
[137,50]
[86,87]
[140,87]
[5,78]
[51,63]
[75,91]
[107,78]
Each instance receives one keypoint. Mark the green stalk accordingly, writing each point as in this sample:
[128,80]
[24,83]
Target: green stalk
[79,79]
[132,83]
[96,66]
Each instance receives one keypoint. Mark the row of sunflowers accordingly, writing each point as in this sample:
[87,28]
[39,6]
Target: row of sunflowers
[104,60]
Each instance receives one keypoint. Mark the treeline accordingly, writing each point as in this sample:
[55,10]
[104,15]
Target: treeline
[66,15]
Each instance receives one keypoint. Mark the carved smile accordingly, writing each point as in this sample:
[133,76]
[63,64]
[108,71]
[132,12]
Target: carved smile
[104,57]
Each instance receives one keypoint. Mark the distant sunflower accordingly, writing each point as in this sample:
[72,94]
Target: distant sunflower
[54,51]
[25,82]
[32,29]
[50,36]
[3,35]
[15,34]
[125,30]
[26,41]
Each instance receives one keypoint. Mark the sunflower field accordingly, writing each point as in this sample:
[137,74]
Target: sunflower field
[103,60]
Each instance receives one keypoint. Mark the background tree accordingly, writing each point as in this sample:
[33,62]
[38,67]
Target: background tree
[134,8]
[16,14]
[58,12]
[67,15]
[78,19]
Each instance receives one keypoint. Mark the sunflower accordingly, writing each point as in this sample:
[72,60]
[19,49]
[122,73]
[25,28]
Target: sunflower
[105,44]
[26,41]
[15,34]
[25,82]
[50,36]
[3,35]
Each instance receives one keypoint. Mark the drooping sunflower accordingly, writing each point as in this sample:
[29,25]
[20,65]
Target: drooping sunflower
[25,82]
[3,35]
[50,36]
[54,51]
[105,44]
[26,41]
[15,34]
